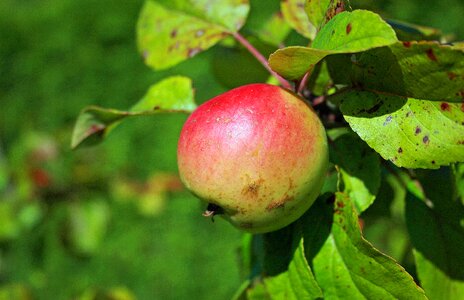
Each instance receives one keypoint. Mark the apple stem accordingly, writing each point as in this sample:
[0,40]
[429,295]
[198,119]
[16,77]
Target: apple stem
[212,210]
[245,43]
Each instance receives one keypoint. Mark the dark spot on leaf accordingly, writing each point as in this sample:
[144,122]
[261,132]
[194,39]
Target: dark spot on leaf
[193,51]
[433,162]
[452,75]
[387,120]
[400,150]
[418,130]
[431,54]
[156,107]
[174,33]
[174,46]
[348,28]
[407,44]
[445,106]
[145,54]
[426,140]
[374,108]
[462,107]
[340,204]
[333,32]
[408,114]
[95,128]
[461,142]
[199,33]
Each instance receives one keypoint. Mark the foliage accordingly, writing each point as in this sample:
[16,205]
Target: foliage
[112,221]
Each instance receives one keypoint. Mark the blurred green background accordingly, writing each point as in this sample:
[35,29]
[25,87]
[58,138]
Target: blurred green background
[113,220]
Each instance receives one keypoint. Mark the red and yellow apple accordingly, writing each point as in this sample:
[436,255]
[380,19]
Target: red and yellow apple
[257,154]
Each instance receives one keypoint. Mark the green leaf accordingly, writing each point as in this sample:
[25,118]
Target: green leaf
[354,31]
[258,292]
[409,132]
[421,70]
[412,32]
[301,278]
[173,94]
[293,62]
[345,265]
[287,273]
[316,11]
[297,283]
[347,32]
[458,46]
[320,81]
[169,32]
[274,30]
[294,13]
[322,11]
[87,225]
[436,229]
[240,294]
[458,170]
[359,168]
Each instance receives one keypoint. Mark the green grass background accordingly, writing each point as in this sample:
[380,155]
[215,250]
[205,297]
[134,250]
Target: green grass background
[86,234]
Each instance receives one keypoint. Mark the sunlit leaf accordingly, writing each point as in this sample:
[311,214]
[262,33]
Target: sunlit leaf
[347,32]
[436,229]
[354,31]
[173,94]
[287,274]
[316,11]
[294,13]
[169,32]
[345,265]
[409,132]
[297,283]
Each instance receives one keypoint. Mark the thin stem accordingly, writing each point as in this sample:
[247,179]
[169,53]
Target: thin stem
[303,82]
[261,59]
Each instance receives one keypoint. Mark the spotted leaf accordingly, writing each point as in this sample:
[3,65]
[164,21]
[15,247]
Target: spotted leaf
[169,32]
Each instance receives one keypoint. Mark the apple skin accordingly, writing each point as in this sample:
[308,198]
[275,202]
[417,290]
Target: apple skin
[258,153]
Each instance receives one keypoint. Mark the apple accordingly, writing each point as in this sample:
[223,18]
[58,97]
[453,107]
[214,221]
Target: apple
[257,154]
